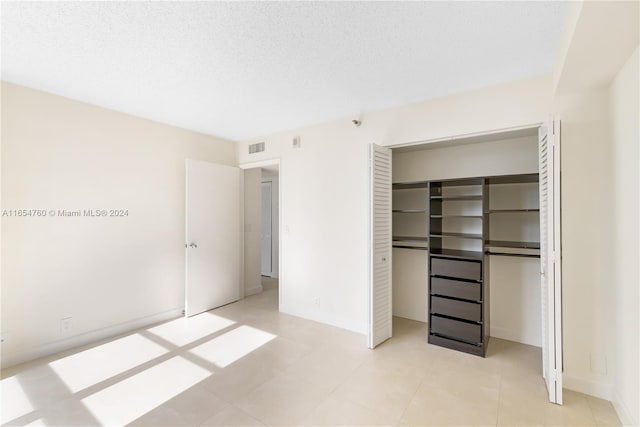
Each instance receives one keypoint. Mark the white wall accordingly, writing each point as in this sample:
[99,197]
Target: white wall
[324,193]
[586,241]
[272,177]
[252,230]
[515,282]
[625,114]
[108,274]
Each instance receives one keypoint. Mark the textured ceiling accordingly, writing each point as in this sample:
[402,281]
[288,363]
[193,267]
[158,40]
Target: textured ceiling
[244,69]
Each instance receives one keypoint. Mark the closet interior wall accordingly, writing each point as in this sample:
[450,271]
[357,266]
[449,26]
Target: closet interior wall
[514,281]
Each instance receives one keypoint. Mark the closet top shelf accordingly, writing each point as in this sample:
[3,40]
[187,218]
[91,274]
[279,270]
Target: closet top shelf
[460,182]
[410,185]
[410,210]
[513,179]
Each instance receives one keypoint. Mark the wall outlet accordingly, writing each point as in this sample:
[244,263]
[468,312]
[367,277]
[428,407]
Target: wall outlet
[316,301]
[3,337]
[65,325]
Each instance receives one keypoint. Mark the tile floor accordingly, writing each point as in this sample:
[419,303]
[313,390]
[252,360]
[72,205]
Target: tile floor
[247,364]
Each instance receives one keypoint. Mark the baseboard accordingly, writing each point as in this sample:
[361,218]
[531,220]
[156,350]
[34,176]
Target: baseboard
[253,291]
[625,415]
[323,317]
[592,388]
[510,335]
[50,348]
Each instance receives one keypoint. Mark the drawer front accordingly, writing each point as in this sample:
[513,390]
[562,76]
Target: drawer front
[470,270]
[456,329]
[456,289]
[450,307]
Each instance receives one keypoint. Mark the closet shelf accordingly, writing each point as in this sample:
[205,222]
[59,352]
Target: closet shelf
[409,210]
[456,253]
[457,235]
[456,197]
[410,239]
[513,179]
[512,210]
[456,216]
[512,254]
[419,248]
[512,244]
[410,185]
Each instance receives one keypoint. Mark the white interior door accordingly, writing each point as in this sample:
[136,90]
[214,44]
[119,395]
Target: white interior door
[213,236]
[265,233]
[380,304]
[550,257]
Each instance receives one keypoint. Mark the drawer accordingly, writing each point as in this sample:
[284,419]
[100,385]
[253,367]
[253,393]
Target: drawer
[471,270]
[456,329]
[456,289]
[454,308]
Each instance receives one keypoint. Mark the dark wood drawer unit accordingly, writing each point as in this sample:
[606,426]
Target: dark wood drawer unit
[470,270]
[458,271]
[477,350]
[461,309]
[456,289]
[464,331]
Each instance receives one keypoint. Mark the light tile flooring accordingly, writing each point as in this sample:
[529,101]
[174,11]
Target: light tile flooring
[247,364]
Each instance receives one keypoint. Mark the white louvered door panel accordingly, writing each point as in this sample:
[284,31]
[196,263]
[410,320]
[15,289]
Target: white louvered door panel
[550,267]
[380,314]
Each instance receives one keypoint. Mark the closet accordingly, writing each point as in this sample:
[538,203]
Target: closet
[465,236]
[465,226]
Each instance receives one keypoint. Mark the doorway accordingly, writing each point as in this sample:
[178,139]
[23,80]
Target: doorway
[261,229]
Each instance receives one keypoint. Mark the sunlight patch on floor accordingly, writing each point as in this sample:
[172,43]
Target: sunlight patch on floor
[15,402]
[100,363]
[129,399]
[186,330]
[233,345]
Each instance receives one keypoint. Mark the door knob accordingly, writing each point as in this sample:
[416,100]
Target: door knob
[193,245]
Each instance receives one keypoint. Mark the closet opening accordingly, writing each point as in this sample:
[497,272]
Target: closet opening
[465,238]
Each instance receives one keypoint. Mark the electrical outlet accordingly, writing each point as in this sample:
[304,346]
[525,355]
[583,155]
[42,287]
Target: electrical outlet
[65,325]
[3,337]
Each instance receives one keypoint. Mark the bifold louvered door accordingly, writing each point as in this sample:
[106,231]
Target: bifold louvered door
[550,257]
[380,315]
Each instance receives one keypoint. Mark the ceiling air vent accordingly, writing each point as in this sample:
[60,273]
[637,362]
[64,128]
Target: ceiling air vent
[258,147]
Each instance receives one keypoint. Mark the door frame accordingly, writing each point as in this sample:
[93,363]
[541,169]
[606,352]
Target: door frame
[253,165]
[266,183]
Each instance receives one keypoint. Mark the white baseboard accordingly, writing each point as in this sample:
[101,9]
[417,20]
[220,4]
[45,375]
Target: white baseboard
[323,317]
[592,388]
[252,291]
[50,348]
[625,415]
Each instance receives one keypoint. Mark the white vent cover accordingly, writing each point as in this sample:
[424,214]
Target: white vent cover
[258,147]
